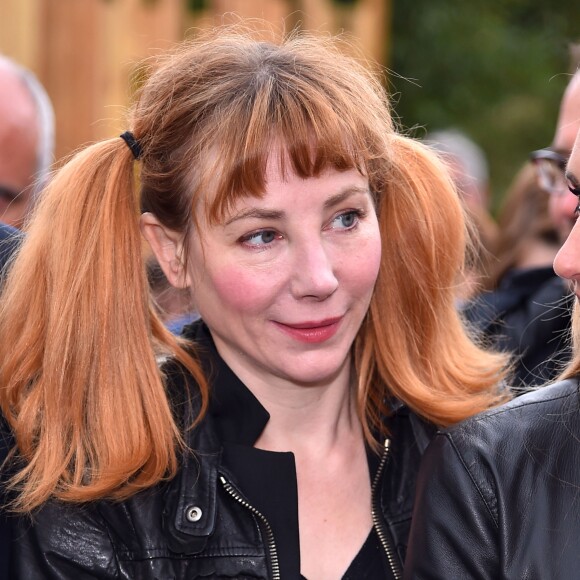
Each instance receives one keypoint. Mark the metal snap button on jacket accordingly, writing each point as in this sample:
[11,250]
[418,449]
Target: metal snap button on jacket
[193,513]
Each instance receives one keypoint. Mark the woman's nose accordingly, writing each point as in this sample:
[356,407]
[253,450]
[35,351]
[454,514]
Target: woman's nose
[314,272]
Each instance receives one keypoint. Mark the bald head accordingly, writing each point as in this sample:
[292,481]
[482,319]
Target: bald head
[569,116]
[22,140]
[562,208]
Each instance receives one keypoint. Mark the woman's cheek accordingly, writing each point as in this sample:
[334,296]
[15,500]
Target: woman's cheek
[243,290]
[367,264]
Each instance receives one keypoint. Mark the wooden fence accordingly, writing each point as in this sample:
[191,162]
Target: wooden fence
[86,51]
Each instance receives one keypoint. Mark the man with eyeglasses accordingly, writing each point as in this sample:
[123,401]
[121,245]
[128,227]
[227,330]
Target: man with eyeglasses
[550,163]
[543,319]
[529,313]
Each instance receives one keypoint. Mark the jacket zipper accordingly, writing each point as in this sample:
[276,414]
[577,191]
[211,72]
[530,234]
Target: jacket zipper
[377,521]
[269,534]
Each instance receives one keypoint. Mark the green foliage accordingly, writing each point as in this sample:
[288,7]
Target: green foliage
[196,5]
[494,69]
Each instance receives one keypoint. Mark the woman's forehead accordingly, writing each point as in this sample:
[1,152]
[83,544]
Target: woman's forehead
[227,178]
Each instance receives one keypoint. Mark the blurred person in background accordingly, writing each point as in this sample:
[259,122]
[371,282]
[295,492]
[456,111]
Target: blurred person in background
[470,172]
[528,238]
[524,307]
[528,310]
[467,162]
[26,155]
[26,141]
[281,434]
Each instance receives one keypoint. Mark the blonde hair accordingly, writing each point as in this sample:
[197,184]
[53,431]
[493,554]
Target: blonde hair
[92,422]
[572,369]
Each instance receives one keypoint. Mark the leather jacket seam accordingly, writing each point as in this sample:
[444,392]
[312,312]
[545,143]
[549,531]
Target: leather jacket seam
[493,515]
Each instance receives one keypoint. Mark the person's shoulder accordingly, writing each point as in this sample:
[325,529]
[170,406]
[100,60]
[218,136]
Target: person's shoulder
[10,239]
[522,420]
[537,401]
[7,231]
[65,538]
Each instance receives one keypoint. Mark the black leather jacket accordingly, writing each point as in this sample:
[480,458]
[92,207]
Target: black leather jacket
[199,525]
[499,495]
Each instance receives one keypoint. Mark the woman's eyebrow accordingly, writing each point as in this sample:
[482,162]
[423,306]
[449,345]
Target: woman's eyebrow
[344,195]
[272,214]
[256,213]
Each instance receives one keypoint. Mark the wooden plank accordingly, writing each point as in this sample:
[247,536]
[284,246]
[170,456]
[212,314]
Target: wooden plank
[86,52]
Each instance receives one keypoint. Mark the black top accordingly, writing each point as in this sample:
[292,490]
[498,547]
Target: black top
[10,239]
[528,315]
[268,479]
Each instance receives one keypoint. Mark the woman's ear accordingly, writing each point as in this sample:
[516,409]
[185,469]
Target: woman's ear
[168,247]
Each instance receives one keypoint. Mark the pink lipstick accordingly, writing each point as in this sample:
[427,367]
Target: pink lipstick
[311,332]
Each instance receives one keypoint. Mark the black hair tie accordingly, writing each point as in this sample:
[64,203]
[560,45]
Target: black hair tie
[132,143]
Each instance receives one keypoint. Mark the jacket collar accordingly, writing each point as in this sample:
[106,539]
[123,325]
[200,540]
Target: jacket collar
[234,415]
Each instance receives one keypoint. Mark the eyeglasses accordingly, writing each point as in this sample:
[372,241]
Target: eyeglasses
[551,170]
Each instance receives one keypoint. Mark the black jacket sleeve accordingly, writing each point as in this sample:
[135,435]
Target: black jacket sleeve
[67,542]
[454,533]
[6,443]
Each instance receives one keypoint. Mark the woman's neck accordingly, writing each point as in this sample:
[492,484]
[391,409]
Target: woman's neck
[301,415]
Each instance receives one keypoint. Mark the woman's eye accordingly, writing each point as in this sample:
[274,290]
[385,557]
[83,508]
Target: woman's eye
[346,220]
[260,238]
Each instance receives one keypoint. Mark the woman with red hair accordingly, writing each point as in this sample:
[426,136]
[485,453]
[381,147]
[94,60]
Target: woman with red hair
[280,435]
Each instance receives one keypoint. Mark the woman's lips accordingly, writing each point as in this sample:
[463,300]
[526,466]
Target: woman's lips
[311,332]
